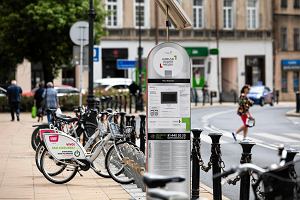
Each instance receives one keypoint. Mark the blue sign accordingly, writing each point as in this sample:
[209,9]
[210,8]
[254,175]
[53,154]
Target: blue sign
[96,54]
[125,64]
[290,64]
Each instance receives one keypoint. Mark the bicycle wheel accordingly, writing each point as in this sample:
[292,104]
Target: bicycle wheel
[38,155]
[115,165]
[49,166]
[98,164]
[35,139]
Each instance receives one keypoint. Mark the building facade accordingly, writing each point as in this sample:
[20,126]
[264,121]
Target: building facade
[287,47]
[243,29]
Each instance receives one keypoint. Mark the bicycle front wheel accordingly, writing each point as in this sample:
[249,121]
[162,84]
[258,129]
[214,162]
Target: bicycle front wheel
[35,138]
[115,165]
[50,167]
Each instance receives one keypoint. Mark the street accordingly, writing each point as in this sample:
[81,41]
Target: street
[272,128]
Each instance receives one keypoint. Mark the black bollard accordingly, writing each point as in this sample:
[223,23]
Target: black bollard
[211,98]
[221,98]
[120,103]
[142,132]
[297,102]
[277,96]
[216,168]
[122,122]
[116,102]
[130,103]
[127,120]
[125,103]
[245,178]
[107,102]
[102,103]
[133,132]
[195,163]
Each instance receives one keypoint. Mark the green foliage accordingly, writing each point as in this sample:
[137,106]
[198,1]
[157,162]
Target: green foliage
[39,31]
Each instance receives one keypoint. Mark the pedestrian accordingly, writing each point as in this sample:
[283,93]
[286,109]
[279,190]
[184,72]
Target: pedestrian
[14,93]
[39,103]
[50,99]
[243,112]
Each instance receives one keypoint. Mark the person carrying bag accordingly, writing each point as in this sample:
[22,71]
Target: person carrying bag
[244,113]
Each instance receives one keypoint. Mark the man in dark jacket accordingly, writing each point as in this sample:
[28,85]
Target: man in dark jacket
[14,93]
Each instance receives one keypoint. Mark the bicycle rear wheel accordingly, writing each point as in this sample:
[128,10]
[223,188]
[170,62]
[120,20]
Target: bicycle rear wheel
[50,166]
[115,165]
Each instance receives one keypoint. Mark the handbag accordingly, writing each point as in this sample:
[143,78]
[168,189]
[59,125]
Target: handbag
[250,122]
[33,111]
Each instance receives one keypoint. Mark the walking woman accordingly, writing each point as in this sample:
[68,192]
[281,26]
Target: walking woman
[243,112]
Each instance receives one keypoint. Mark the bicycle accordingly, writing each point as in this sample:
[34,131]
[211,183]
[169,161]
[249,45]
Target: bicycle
[63,150]
[156,183]
[278,181]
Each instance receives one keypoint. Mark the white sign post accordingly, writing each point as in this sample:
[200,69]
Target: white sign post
[79,35]
[168,113]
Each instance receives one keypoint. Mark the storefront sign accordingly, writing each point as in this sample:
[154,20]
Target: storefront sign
[290,64]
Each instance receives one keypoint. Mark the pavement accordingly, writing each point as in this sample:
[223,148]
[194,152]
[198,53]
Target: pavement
[20,179]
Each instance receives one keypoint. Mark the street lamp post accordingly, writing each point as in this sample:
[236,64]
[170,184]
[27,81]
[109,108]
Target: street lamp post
[140,51]
[92,14]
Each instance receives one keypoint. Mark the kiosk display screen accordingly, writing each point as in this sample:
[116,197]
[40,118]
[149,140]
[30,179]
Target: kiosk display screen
[169,97]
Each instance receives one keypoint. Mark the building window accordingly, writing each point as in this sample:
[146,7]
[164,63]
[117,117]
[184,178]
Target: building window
[252,14]
[297,39]
[296,3]
[140,8]
[227,14]
[284,81]
[283,33]
[198,13]
[114,17]
[284,4]
[296,81]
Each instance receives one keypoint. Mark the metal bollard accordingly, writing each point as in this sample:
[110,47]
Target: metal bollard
[297,102]
[116,102]
[142,132]
[107,102]
[216,168]
[122,122]
[211,98]
[120,103]
[277,96]
[195,164]
[102,103]
[130,103]
[127,117]
[133,132]
[220,98]
[245,179]
[125,103]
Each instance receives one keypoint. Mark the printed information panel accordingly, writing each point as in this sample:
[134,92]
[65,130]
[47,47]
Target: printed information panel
[168,114]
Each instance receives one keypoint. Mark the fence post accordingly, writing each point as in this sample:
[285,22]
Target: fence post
[142,132]
[216,168]
[245,179]
[195,163]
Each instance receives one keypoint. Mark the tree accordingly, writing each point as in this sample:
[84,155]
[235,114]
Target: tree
[38,30]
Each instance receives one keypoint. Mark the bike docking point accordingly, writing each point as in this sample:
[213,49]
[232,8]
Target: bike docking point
[245,178]
[216,165]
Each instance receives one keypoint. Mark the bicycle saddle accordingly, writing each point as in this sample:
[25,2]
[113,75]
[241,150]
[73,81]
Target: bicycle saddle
[167,195]
[66,118]
[153,181]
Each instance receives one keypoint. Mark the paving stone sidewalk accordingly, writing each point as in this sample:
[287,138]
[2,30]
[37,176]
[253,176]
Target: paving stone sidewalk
[20,179]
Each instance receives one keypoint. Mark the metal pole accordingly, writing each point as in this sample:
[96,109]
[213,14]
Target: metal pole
[216,168]
[156,23]
[142,132]
[92,14]
[140,102]
[80,64]
[217,40]
[195,164]
[245,179]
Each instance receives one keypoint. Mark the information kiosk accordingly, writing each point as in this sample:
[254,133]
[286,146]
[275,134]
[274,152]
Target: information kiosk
[168,113]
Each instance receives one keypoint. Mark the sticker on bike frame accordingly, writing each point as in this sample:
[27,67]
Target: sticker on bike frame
[63,146]
[42,131]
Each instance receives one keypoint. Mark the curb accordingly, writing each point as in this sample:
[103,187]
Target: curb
[292,113]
